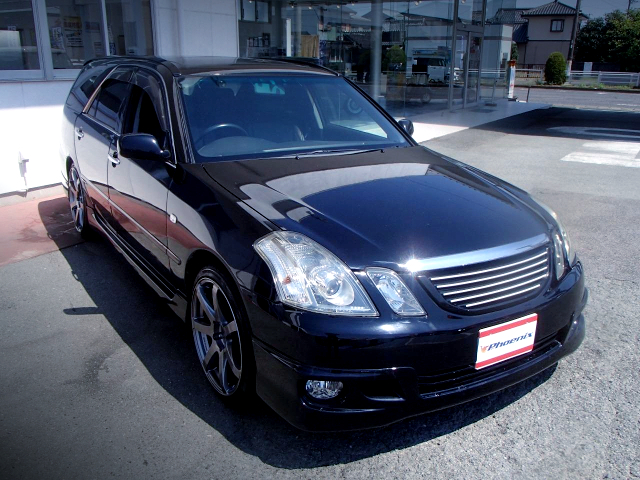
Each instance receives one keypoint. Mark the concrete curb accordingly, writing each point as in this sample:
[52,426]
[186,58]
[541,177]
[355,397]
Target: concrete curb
[12,198]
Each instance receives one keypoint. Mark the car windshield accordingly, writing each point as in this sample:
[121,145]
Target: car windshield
[271,115]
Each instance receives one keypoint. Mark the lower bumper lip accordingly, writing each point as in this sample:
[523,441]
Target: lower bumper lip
[403,395]
[310,416]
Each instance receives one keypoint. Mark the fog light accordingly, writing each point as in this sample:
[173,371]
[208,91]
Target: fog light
[323,390]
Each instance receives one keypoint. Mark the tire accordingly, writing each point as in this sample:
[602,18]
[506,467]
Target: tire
[222,337]
[78,203]
[426,98]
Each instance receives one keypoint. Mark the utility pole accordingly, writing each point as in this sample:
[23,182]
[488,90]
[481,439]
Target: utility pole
[574,34]
[631,2]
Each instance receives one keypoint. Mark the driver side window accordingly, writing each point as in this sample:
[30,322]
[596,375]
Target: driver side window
[146,113]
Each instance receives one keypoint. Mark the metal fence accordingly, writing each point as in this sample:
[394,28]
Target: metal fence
[604,78]
[526,77]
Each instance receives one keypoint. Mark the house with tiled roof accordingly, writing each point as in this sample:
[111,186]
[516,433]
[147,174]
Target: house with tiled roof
[540,31]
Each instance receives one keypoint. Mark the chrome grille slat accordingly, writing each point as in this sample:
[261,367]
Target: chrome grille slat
[502,282]
[467,282]
[493,292]
[467,274]
[491,284]
[503,297]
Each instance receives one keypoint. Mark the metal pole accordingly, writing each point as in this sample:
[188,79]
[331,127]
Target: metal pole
[480,64]
[466,71]
[454,33]
[105,27]
[298,51]
[574,34]
[376,48]
[288,45]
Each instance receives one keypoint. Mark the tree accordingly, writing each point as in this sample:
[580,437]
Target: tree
[555,71]
[514,51]
[612,39]
[395,59]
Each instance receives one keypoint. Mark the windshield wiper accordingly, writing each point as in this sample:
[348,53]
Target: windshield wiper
[326,152]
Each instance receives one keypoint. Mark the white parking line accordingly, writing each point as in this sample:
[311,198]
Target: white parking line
[618,153]
[599,132]
[621,154]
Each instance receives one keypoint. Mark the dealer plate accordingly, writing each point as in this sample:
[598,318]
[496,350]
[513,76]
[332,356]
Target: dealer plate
[506,340]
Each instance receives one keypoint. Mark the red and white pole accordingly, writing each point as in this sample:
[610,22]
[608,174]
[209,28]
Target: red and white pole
[511,70]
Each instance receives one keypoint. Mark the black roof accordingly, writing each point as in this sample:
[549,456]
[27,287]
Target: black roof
[220,65]
[508,16]
[552,8]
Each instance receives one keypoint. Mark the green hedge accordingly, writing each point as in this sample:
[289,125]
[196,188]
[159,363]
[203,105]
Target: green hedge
[555,71]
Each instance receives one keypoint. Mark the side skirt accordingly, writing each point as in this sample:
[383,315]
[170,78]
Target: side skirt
[173,298]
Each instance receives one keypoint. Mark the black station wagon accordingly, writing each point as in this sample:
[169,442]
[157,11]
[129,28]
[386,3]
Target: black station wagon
[324,260]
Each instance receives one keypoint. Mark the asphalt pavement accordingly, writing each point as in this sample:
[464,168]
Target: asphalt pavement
[98,379]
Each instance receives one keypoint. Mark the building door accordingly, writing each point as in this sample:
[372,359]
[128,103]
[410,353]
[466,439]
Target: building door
[466,67]
[472,68]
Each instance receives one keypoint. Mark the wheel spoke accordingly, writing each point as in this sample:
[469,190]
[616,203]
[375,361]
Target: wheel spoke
[209,308]
[213,349]
[200,326]
[230,328]
[223,360]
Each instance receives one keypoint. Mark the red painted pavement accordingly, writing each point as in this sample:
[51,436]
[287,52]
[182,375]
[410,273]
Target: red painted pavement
[35,227]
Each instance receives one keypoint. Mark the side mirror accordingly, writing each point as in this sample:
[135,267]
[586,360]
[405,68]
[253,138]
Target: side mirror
[407,125]
[142,146]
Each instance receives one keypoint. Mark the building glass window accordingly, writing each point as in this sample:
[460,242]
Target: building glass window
[255,11]
[18,43]
[75,32]
[400,52]
[410,56]
[557,25]
[129,27]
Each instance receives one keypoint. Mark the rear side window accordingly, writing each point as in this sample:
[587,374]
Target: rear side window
[85,85]
[108,103]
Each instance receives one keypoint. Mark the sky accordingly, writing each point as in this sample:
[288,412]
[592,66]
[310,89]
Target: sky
[593,8]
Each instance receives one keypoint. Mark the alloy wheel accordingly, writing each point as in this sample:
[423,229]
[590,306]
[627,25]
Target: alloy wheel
[216,336]
[76,200]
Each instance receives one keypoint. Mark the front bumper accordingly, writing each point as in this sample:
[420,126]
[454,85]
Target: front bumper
[396,388]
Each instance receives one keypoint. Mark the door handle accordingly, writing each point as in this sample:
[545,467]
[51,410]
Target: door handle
[113,158]
[79,133]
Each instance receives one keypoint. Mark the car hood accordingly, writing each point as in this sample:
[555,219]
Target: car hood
[386,207]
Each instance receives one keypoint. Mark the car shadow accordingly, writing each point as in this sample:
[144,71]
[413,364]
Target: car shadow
[163,343]
[579,123]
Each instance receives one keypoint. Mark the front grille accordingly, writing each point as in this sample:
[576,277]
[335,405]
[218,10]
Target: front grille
[493,284]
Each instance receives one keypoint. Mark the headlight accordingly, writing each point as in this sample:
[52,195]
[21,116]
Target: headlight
[558,255]
[308,276]
[563,250]
[395,292]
